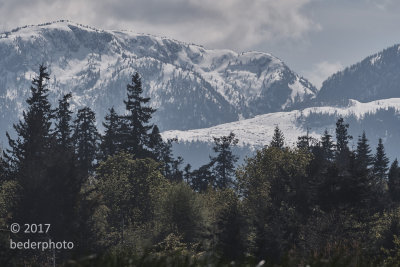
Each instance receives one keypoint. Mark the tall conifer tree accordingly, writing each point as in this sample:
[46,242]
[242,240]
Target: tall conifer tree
[33,164]
[224,161]
[363,153]
[86,139]
[63,129]
[33,131]
[134,133]
[327,146]
[380,162]
[109,143]
[342,141]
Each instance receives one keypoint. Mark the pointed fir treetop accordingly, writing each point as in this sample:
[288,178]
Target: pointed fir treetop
[156,144]
[381,162]
[278,140]
[63,129]
[39,90]
[342,136]
[327,145]
[224,161]
[86,138]
[109,141]
[34,131]
[363,152]
[135,100]
[134,127]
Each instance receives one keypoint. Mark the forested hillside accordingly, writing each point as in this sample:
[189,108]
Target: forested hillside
[123,199]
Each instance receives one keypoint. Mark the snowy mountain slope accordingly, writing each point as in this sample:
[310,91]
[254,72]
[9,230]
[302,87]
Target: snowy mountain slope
[192,87]
[375,77]
[375,117]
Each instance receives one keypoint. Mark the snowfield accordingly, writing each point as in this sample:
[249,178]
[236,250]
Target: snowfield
[258,131]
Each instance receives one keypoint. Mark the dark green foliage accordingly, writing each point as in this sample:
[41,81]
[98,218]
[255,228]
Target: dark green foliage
[86,139]
[157,145]
[342,141]
[342,137]
[43,171]
[109,141]
[319,204]
[129,188]
[394,181]
[224,161]
[381,162]
[278,140]
[181,213]
[187,175]
[29,154]
[230,225]
[34,134]
[363,153]
[63,130]
[306,142]
[134,131]
[202,178]
[267,184]
[327,146]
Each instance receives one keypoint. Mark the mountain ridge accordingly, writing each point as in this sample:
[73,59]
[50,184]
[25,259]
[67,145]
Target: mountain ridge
[191,86]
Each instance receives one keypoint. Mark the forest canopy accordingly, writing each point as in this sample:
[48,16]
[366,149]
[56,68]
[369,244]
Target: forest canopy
[122,197]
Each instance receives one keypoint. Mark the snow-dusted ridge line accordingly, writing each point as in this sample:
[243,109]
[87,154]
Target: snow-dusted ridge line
[191,86]
[257,132]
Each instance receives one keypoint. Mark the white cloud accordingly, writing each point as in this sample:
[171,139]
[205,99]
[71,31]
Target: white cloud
[233,24]
[321,71]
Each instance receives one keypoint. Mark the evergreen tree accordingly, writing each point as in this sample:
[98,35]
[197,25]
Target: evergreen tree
[380,162]
[187,173]
[363,153]
[134,136]
[156,144]
[327,146]
[34,134]
[224,162]
[306,141]
[342,136]
[342,141]
[394,181]
[109,143]
[29,154]
[63,129]
[86,139]
[202,178]
[278,140]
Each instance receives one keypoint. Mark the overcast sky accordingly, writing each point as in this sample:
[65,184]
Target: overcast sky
[313,37]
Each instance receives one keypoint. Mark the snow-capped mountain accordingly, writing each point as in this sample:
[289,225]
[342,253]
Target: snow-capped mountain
[375,77]
[192,87]
[380,119]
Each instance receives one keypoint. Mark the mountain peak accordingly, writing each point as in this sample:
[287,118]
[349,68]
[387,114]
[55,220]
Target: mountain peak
[375,77]
[191,86]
